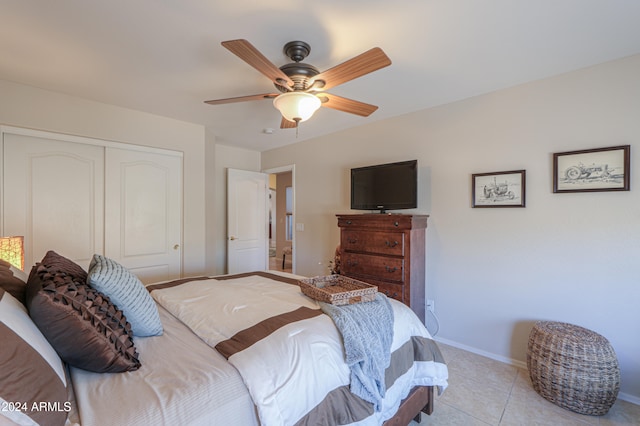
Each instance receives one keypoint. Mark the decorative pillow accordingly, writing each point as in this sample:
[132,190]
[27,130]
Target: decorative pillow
[13,280]
[82,324]
[59,263]
[128,293]
[32,372]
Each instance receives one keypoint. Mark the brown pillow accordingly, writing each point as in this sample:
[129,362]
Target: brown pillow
[56,262]
[10,282]
[82,325]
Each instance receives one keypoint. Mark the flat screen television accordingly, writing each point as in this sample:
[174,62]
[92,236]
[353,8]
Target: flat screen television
[391,186]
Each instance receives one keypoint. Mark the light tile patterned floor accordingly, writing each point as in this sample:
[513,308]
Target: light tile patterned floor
[484,392]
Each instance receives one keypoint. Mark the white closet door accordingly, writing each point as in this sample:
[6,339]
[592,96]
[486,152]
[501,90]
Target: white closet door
[143,217]
[53,195]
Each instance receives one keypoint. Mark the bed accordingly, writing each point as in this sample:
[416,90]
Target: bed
[246,349]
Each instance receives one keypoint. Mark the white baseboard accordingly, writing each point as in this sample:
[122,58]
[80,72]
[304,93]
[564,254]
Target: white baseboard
[629,398]
[506,360]
[520,364]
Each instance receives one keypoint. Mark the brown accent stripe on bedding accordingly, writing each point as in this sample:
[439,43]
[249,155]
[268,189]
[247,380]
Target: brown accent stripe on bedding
[247,337]
[174,283]
[416,349]
[339,407]
[274,277]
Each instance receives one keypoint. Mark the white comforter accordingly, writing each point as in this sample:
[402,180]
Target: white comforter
[293,367]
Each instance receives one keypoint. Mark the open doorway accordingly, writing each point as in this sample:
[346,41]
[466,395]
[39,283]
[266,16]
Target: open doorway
[281,220]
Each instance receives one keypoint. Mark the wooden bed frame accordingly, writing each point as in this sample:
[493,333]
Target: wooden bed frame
[419,400]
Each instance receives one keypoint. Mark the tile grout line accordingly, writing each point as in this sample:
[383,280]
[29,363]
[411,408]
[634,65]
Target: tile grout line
[513,384]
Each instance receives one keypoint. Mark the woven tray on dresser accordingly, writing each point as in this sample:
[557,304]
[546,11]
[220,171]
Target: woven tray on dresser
[338,289]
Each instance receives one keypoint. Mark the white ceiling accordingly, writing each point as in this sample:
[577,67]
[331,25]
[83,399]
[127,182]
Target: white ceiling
[165,57]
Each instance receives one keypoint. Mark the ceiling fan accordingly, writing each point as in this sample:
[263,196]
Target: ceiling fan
[302,86]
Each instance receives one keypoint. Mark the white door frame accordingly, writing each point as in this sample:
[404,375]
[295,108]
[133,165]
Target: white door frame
[282,169]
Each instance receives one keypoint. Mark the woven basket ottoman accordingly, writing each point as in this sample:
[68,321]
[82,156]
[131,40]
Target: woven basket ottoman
[573,367]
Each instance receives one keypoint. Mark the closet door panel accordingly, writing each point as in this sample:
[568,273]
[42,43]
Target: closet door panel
[53,195]
[143,212]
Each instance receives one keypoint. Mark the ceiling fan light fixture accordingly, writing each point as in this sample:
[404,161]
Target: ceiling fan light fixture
[297,106]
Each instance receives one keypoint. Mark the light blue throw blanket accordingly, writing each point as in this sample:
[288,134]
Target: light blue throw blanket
[367,332]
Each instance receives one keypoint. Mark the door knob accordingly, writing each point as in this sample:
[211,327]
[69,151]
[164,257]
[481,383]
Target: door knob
[232,238]
[176,247]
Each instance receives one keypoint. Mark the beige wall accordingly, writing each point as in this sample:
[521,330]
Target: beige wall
[25,106]
[493,272]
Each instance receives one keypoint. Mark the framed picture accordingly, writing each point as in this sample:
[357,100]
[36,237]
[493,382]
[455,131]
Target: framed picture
[498,189]
[591,170]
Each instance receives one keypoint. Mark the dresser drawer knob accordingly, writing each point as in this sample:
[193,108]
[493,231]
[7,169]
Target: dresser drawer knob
[390,269]
[391,244]
[348,222]
[396,224]
[352,240]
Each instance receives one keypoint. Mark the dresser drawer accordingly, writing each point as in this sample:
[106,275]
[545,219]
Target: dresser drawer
[379,221]
[387,243]
[377,267]
[394,291]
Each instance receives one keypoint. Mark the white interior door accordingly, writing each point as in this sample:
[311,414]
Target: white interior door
[143,220]
[53,195]
[247,221]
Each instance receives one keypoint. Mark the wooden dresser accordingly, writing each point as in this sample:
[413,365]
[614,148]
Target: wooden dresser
[387,250]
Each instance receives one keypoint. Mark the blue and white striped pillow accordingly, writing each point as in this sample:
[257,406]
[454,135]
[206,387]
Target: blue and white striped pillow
[128,293]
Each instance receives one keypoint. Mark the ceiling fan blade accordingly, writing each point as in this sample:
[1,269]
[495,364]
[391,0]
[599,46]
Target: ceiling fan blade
[248,53]
[369,61]
[347,105]
[241,99]
[286,124]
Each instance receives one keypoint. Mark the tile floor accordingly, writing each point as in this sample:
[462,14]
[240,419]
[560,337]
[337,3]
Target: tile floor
[275,264]
[483,392]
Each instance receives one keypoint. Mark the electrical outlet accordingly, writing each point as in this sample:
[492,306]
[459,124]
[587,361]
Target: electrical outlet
[431,305]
